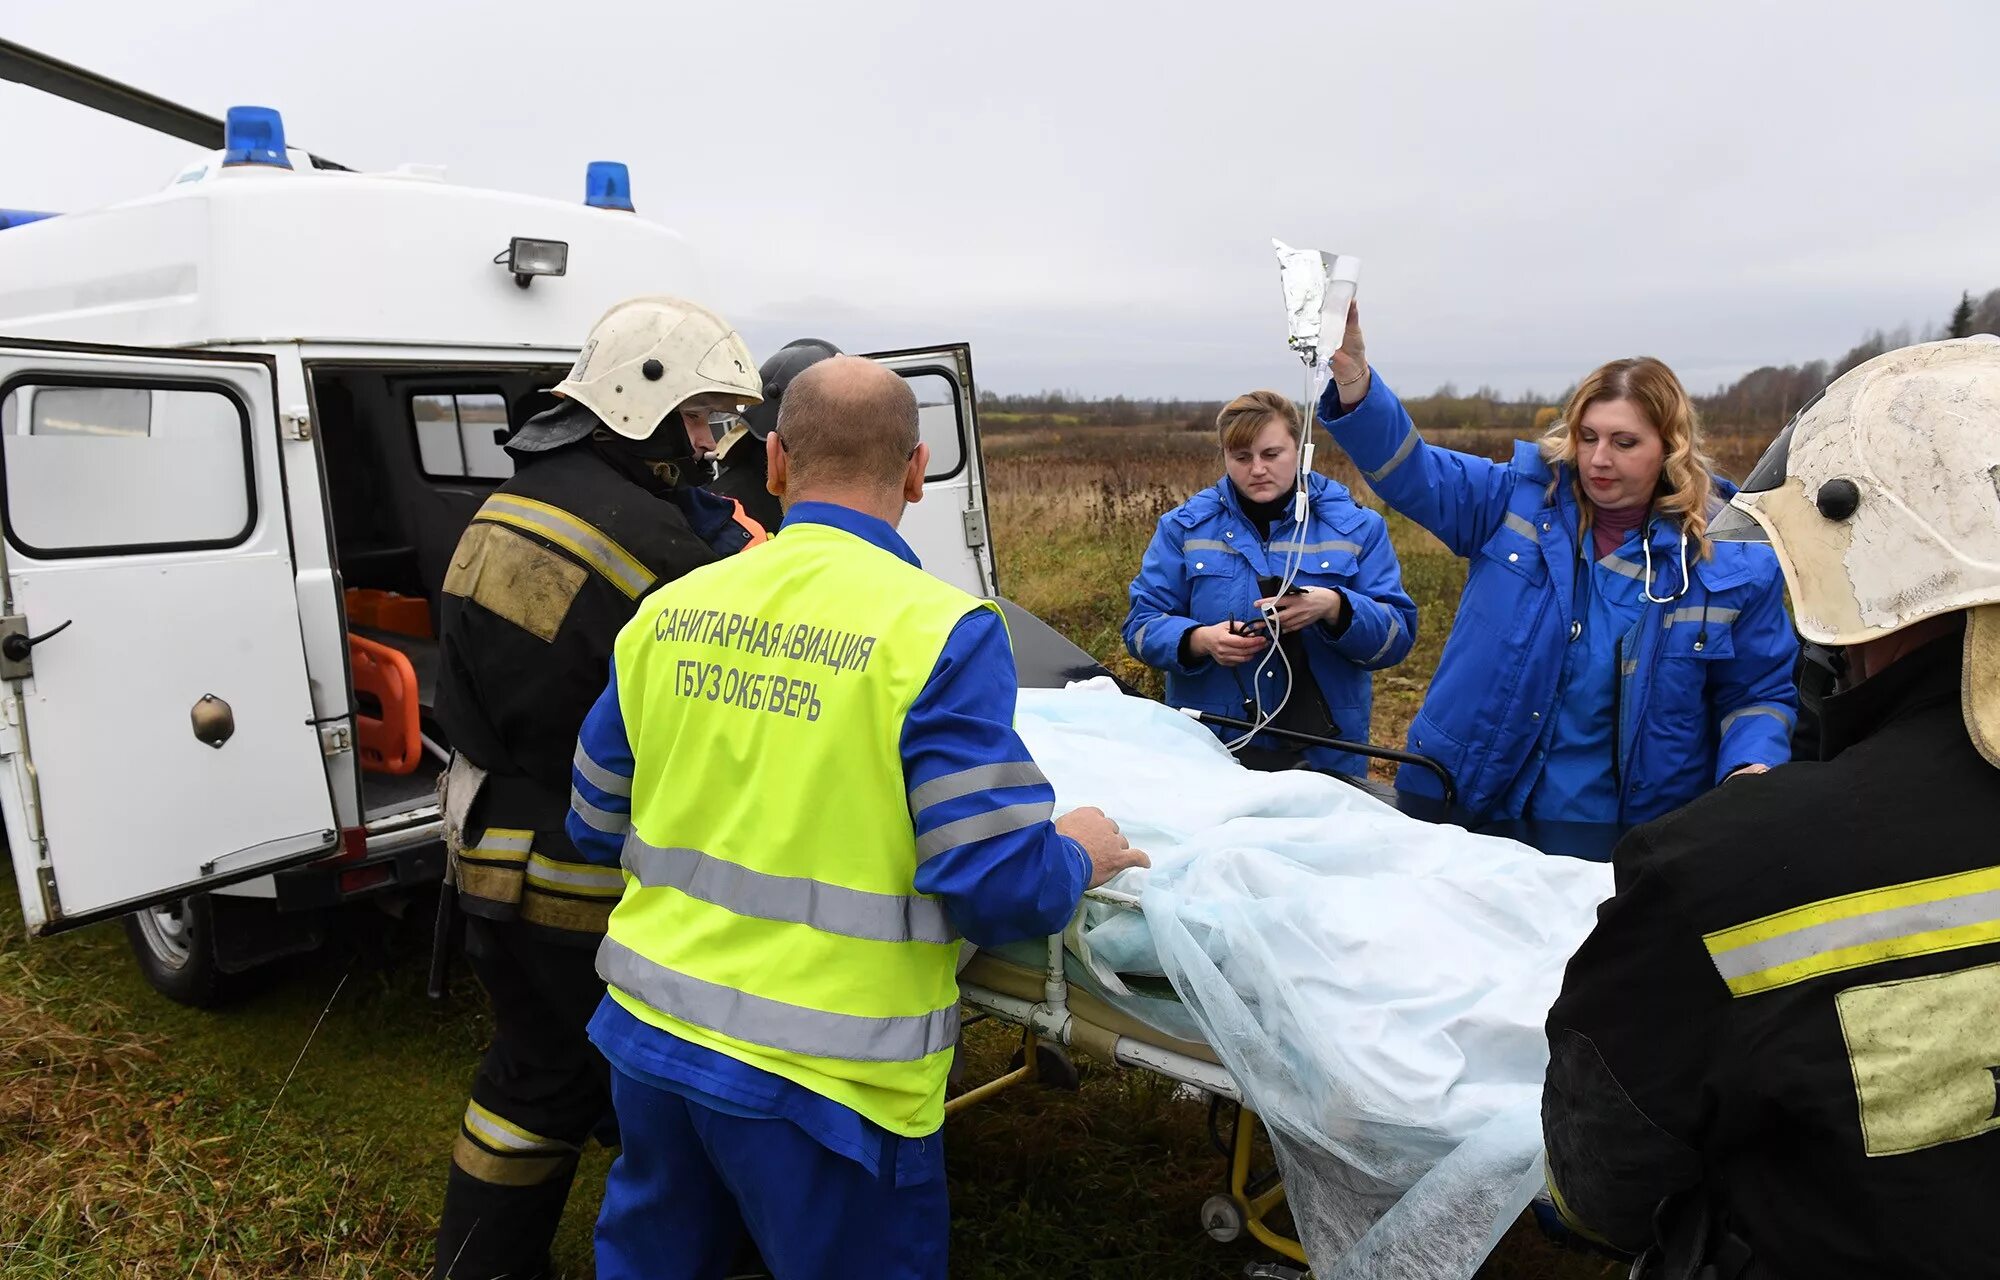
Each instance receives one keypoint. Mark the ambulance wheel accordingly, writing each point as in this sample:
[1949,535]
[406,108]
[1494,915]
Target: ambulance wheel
[174,944]
[1222,1218]
[1054,1068]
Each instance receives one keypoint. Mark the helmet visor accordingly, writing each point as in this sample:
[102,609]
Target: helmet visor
[1734,524]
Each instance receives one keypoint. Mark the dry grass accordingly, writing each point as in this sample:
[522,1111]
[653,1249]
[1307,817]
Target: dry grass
[114,1163]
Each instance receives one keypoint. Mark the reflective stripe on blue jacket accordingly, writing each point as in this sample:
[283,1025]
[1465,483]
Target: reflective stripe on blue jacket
[1203,566]
[1705,681]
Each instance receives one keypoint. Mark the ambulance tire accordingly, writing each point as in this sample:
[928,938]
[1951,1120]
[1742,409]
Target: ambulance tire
[174,945]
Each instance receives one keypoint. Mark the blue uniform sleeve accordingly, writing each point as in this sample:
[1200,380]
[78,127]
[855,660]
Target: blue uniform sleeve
[600,781]
[1381,622]
[980,806]
[1752,698]
[1460,498]
[1160,599]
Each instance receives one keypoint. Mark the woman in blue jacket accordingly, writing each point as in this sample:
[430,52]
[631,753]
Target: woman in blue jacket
[1608,662]
[1197,602]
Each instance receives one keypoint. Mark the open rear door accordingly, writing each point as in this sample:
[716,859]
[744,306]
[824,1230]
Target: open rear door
[948,529]
[157,735]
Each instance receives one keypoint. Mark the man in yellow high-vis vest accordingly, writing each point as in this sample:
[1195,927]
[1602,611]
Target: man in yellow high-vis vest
[783,1001]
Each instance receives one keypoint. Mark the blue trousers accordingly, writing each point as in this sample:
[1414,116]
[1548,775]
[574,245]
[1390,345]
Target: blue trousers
[690,1181]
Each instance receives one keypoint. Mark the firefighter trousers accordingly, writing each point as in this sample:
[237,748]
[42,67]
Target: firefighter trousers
[542,1091]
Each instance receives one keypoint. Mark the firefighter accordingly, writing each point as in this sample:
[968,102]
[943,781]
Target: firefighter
[604,505]
[782,966]
[740,470]
[1778,1054]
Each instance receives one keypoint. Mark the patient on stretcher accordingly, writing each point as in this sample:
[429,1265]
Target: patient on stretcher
[1377,985]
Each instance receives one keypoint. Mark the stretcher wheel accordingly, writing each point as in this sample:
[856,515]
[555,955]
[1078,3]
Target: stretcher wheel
[1054,1068]
[1222,1218]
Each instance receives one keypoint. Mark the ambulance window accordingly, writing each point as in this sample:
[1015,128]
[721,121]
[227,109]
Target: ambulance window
[458,436]
[939,423]
[163,467]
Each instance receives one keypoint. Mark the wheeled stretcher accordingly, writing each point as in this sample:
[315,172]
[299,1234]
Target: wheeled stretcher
[1060,1009]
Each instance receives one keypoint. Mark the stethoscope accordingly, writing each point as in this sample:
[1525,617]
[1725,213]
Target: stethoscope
[1646,583]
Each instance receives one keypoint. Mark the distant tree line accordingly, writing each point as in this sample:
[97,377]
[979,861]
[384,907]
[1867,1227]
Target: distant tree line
[1760,400]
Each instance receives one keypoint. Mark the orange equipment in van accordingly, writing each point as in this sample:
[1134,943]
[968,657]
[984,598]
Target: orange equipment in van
[391,740]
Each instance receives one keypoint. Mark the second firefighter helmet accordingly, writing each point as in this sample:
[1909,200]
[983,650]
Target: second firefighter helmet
[1882,501]
[787,363]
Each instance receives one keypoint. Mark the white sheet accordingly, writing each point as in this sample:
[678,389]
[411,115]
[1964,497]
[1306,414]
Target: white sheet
[1378,985]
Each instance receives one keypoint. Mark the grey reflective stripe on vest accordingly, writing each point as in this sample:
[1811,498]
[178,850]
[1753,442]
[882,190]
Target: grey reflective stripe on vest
[1314,548]
[611,824]
[615,563]
[1699,613]
[774,1024]
[1208,544]
[982,826]
[1395,634]
[1776,713]
[830,908]
[1396,459]
[611,784]
[1520,525]
[985,777]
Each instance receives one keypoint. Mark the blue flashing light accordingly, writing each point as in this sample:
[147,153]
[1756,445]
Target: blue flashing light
[607,184]
[254,135]
[20,217]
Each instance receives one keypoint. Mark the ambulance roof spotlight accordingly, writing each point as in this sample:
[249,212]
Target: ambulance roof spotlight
[527,259]
[607,184]
[254,135]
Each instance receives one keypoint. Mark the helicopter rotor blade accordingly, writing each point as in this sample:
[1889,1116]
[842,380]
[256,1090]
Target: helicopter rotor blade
[26,66]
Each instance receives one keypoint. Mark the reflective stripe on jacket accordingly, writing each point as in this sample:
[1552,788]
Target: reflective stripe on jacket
[1704,687]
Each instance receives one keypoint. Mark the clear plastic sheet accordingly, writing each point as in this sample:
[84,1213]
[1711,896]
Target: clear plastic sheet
[1376,984]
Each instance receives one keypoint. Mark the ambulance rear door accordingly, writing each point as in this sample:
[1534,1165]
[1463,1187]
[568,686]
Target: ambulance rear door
[948,530]
[156,726]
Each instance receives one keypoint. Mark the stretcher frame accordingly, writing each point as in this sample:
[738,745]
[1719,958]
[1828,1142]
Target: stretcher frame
[1053,1021]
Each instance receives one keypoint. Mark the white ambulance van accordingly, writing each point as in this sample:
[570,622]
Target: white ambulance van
[242,423]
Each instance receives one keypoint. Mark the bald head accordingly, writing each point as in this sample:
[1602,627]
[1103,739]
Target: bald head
[848,424]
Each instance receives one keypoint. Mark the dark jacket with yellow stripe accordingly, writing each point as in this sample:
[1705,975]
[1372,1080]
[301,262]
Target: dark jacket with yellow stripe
[550,568]
[1789,1014]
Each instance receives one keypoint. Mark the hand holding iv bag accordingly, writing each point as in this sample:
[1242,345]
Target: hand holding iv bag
[1319,287]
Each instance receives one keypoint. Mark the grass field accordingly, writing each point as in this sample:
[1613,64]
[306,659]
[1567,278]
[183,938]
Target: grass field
[305,1131]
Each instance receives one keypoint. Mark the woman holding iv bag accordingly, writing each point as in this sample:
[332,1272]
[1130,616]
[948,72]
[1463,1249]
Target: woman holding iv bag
[1608,663]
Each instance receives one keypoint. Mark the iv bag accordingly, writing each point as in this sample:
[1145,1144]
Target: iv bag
[1318,288]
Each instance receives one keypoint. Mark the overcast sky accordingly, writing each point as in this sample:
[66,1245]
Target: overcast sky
[1087,191]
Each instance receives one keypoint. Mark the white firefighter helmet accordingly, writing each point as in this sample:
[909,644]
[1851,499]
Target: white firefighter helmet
[1882,501]
[649,356]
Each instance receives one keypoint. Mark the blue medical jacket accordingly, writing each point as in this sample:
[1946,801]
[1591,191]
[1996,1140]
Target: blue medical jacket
[1202,567]
[1703,684]
[1020,883]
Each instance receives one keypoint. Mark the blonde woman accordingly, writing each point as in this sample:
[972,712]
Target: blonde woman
[1608,663]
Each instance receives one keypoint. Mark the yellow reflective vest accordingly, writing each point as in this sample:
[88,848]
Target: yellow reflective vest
[770,910]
